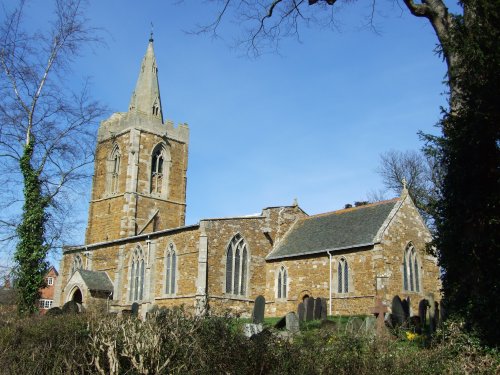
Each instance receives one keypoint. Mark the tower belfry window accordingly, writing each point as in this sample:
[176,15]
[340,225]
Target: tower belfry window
[113,170]
[157,171]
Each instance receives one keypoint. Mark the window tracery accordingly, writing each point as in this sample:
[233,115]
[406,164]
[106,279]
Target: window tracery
[236,266]
[137,275]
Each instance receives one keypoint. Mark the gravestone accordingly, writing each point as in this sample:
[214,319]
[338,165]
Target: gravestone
[323,309]
[54,311]
[370,324]
[71,307]
[431,313]
[258,310]
[134,309]
[281,323]
[301,312]
[252,329]
[406,307]
[443,312]
[292,322]
[309,302]
[355,325]
[422,311]
[437,315]
[398,313]
[416,324]
[379,311]
[317,309]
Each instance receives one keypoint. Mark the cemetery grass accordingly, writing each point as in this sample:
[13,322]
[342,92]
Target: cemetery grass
[175,342]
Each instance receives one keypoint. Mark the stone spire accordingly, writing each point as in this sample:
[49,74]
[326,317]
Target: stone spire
[146,96]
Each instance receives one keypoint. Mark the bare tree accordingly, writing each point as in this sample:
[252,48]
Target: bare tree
[419,172]
[47,133]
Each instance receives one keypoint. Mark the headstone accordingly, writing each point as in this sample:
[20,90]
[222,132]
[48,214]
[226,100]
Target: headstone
[317,309]
[258,310]
[323,309]
[301,311]
[422,311]
[443,312]
[71,307]
[437,315]
[355,325]
[309,302]
[135,309]
[281,323]
[292,322]
[251,329]
[54,311]
[398,314]
[406,303]
[379,311]
[415,324]
[370,324]
[431,313]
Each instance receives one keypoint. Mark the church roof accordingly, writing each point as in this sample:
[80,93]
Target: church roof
[96,280]
[334,231]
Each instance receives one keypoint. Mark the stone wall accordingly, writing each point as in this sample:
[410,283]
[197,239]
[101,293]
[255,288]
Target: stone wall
[133,209]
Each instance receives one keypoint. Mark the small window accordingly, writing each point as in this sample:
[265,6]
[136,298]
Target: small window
[45,304]
[282,283]
[171,268]
[114,170]
[77,264]
[343,276]
[411,274]
[50,281]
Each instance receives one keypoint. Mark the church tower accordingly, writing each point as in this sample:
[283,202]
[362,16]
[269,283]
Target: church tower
[139,183]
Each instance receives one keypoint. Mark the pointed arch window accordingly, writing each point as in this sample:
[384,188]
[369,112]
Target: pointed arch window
[282,291]
[170,270]
[157,171]
[114,169]
[77,264]
[343,276]
[411,274]
[137,275]
[237,266]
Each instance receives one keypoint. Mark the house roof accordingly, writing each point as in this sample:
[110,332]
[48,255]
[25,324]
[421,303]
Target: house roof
[96,280]
[334,231]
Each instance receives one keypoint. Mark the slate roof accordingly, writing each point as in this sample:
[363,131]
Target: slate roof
[96,280]
[334,231]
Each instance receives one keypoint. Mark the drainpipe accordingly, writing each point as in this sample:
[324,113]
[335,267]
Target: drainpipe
[330,283]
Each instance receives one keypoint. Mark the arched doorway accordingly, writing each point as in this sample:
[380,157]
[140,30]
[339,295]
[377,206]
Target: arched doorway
[77,296]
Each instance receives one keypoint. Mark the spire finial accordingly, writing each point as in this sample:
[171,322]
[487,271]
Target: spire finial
[151,34]
[404,183]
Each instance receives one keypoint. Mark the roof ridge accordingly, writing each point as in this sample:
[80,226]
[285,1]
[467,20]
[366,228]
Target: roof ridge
[350,209]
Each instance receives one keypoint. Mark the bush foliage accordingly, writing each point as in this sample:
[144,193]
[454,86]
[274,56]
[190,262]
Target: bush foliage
[173,342]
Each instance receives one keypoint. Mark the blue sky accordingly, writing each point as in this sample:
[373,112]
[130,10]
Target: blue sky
[307,123]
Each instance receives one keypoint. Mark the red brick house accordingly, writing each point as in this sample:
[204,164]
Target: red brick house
[47,294]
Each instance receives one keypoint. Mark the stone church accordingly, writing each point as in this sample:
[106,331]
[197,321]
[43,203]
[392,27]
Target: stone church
[138,248]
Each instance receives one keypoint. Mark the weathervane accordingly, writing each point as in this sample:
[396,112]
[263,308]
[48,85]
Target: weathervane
[151,34]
